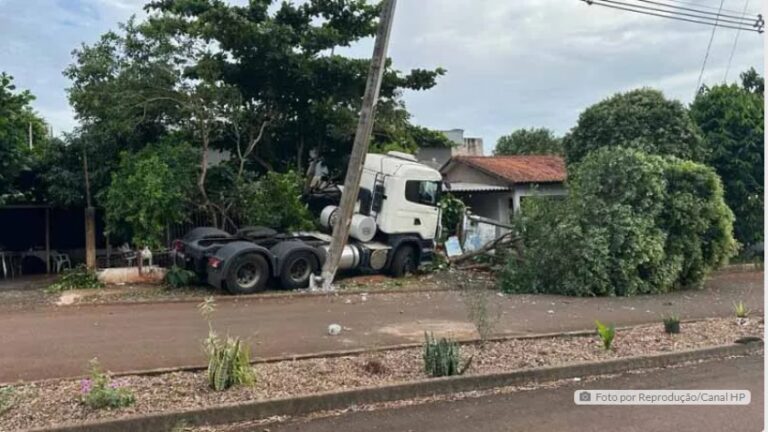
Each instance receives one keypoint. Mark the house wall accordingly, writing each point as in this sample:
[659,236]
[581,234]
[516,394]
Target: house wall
[546,189]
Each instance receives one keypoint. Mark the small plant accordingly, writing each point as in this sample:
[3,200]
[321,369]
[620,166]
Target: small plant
[79,277]
[672,323]
[178,277]
[482,311]
[229,362]
[442,357]
[740,309]
[7,399]
[606,333]
[100,391]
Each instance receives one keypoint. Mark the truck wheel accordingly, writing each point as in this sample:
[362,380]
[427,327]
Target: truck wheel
[404,262]
[297,270]
[248,274]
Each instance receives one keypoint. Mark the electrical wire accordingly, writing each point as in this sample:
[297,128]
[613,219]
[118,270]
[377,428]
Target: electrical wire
[706,55]
[733,48]
[639,9]
[740,17]
[699,5]
[682,14]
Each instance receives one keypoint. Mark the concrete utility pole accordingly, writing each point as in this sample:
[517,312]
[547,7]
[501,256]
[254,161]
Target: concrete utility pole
[360,147]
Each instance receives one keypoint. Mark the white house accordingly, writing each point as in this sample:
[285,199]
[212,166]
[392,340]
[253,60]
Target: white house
[495,186]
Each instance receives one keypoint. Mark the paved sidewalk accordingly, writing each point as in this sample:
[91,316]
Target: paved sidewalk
[58,342]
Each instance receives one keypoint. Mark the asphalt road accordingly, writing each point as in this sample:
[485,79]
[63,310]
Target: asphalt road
[59,341]
[553,410]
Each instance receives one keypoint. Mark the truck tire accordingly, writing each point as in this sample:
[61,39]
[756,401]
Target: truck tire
[297,270]
[404,262]
[248,274]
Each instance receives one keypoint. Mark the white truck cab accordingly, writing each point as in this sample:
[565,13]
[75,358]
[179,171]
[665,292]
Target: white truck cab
[405,194]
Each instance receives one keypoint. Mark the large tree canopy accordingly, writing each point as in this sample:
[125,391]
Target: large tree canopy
[529,142]
[641,119]
[632,224]
[731,118]
[17,120]
[260,82]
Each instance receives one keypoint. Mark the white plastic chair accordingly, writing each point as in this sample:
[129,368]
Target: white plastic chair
[61,261]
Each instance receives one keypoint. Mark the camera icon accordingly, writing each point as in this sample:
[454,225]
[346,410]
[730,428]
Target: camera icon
[585,396]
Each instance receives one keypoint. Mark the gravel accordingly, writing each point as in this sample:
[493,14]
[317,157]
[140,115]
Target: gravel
[58,401]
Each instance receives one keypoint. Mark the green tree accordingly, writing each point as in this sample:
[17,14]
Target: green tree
[260,82]
[16,119]
[732,118]
[149,190]
[642,119]
[534,141]
[632,224]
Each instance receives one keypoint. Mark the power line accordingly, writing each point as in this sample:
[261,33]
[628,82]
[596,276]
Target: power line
[706,55]
[733,48]
[690,3]
[669,6]
[716,18]
[671,15]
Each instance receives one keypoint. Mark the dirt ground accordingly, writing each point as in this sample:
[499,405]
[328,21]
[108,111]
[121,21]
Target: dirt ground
[50,342]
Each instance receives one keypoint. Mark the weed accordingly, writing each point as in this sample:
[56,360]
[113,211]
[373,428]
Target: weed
[740,309]
[481,310]
[606,333]
[178,277]
[79,277]
[229,362]
[100,391]
[442,358]
[672,323]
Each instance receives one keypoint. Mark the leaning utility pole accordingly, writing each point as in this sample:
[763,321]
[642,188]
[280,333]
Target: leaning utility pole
[360,147]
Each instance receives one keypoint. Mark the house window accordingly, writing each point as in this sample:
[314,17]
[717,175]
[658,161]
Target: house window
[422,192]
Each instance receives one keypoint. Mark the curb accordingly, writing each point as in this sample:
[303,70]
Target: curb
[739,268]
[229,298]
[232,413]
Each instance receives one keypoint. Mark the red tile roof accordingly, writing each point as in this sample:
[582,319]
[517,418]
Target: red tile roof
[519,169]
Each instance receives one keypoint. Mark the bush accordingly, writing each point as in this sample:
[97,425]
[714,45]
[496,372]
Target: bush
[606,334]
[178,277]
[452,210]
[99,391]
[149,190]
[672,324]
[274,201]
[79,277]
[442,358]
[229,362]
[740,309]
[632,224]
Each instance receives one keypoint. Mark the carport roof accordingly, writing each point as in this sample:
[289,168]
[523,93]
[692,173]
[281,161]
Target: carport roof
[473,187]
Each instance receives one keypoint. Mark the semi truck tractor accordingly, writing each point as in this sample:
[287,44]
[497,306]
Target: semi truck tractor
[394,229]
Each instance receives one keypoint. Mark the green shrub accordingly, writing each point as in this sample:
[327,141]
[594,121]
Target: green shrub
[100,391]
[740,309]
[606,334]
[672,323]
[229,362]
[631,224]
[442,357]
[452,211]
[178,277]
[79,277]
[274,201]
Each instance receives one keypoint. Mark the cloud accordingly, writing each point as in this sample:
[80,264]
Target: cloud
[511,64]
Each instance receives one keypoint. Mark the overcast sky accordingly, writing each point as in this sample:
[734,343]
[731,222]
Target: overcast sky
[511,63]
